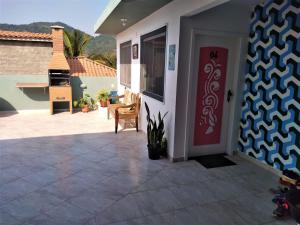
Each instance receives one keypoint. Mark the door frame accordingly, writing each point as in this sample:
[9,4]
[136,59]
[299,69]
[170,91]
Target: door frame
[238,68]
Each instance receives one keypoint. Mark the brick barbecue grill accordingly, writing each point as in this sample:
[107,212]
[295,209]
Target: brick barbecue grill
[60,89]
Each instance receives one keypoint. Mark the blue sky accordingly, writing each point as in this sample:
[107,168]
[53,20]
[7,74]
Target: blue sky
[81,14]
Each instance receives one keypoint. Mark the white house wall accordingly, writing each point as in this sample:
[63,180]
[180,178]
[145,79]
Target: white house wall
[168,15]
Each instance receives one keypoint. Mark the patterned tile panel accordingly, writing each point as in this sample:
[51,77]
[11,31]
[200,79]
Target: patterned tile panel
[270,123]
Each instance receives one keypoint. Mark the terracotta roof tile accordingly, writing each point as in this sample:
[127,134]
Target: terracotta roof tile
[5,34]
[82,66]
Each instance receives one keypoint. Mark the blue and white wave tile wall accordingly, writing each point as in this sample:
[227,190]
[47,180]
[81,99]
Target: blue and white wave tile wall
[270,123]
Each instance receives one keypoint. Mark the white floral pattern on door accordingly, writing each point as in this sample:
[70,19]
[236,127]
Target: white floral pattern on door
[210,99]
[210,95]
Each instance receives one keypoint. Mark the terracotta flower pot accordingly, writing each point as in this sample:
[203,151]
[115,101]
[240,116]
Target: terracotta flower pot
[85,109]
[103,103]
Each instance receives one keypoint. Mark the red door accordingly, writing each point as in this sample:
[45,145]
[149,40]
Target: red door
[210,95]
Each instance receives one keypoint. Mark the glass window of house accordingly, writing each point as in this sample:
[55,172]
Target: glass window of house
[125,64]
[153,49]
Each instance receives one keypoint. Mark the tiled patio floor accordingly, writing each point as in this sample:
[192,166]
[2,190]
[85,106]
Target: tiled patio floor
[73,170]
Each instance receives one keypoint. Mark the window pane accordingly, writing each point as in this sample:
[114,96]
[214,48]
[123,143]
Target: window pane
[125,63]
[153,46]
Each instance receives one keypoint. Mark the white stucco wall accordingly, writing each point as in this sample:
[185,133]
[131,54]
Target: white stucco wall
[168,15]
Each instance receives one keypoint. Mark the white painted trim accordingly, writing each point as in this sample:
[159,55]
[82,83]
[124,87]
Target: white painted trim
[112,4]
[259,163]
[232,107]
[238,36]
[238,90]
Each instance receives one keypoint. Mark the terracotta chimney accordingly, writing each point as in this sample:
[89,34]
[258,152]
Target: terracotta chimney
[58,60]
[58,38]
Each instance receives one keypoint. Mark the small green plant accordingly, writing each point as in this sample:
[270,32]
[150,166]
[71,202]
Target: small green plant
[75,104]
[86,100]
[102,95]
[155,132]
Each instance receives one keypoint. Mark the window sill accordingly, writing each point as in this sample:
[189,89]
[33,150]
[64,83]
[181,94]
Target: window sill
[152,95]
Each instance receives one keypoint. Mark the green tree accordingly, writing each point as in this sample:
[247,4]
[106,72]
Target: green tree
[75,43]
[107,58]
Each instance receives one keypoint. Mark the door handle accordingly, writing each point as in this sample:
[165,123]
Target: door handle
[229,94]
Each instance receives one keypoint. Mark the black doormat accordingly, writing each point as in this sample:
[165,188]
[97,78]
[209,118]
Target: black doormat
[213,161]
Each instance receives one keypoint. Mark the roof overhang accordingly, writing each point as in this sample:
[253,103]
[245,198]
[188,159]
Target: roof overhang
[131,10]
[25,39]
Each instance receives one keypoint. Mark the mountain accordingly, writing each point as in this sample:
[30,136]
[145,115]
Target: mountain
[38,27]
[98,45]
[101,44]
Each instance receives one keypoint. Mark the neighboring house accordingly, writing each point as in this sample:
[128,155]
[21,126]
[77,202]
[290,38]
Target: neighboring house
[25,58]
[225,90]
[95,75]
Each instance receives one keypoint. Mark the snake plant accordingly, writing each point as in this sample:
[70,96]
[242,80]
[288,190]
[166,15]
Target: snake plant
[155,130]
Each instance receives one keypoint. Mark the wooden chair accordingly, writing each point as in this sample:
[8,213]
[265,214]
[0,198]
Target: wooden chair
[126,101]
[128,112]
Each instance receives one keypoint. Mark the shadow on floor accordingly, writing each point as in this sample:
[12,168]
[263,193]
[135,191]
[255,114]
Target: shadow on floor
[6,109]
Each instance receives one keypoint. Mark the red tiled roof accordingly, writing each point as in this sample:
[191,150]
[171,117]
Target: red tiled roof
[82,66]
[5,34]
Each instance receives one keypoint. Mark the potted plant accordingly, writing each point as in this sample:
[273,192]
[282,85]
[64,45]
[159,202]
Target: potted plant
[86,103]
[76,104]
[164,147]
[102,97]
[157,143]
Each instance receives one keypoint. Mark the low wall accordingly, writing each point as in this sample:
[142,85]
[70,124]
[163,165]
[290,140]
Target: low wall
[13,98]
[94,84]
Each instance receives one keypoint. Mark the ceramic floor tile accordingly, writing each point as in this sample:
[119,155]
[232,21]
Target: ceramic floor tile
[123,209]
[254,210]
[93,200]
[66,212]
[91,176]
[227,189]
[193,194]
[7,219]
[32,205]
[157,201]
[43,219]
[6,176]
[15,189]
[216,214]
[23,211]
[67,187]
[43,177]
[284,221]
[85,174]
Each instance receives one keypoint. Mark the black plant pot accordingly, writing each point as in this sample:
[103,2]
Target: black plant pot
[153,153]
[164,152]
